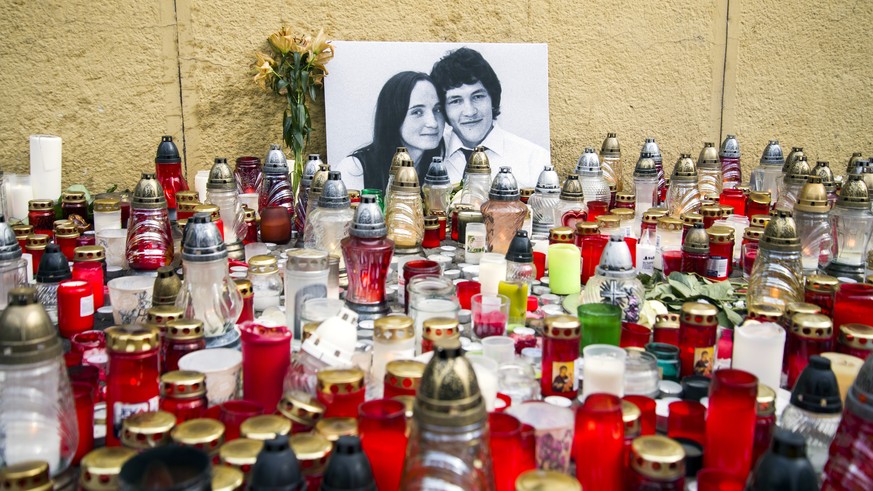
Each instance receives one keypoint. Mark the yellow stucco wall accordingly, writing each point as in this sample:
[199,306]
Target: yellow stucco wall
[111,77]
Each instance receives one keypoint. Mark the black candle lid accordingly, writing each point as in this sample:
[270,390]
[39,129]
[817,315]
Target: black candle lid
[276,468]
[348,468]
[816,390]
[520,248]
[695,387]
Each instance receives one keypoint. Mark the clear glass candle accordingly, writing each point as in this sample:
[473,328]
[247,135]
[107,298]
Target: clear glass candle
[852,225]
[436,188]
[595,187]
[683,196]
[645,183]
[776,276]
[813,225]
[221,191]
[571,206]
[610,161]
[266,283]
[276,186]
[729,156]
[764,177]
[546,196]
[306,275]
[326,230]
[403,211]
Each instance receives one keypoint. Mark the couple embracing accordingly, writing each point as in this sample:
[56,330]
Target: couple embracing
[412,111]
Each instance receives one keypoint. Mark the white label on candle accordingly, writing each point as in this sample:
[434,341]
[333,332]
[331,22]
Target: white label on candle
[645,259]
[123,410]
[716,267]
[475,243]
[86,306]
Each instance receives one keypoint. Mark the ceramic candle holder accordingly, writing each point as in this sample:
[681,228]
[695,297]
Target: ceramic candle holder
[131,297]
[221,367]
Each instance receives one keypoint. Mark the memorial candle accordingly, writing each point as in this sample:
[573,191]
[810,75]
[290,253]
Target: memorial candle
[758,349]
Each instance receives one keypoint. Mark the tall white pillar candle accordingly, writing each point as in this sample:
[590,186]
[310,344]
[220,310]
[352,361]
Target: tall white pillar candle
[758,349]
[492,270]
[18,195]
[45,166]
[846,368]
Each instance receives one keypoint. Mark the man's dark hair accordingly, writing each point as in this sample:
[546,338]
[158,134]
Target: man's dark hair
[466,66]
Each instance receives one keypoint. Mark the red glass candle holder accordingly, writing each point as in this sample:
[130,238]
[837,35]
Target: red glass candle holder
[132,376]
[648,415]
[67,243]
[506,449]
[598,445]
[465,291]
[733,197]
[632,245]
[431,233]
[341,391]
[89,375]
[723,249]
[89,238]
[687,419]
[855,340]
[232,413]
[84,394]
[853,304]
[634,335]
[698,327]
[592,248]
[266,352]
[730,421]
[86,341]
[382,428]
[182,336]
[248,175]
[765,422]
[719,480]
[92,272]
[412,269]
[560,350]
[694,262]
[441,219]
[42,220]
[824,299]
[802,342]
[75,307]
[595,209]
[672,259]
[539,260]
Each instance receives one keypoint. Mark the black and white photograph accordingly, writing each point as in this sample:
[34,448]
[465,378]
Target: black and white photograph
[437,100]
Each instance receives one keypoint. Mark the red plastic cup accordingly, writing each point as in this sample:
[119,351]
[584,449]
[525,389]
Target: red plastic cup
[266,353]
[634,335]
[75,307]
[382,428]
[84,394]
[648,417]
[718,480]
[506,449]
[539,260]
[595,209]
[599,442]
[687,420]
[466,290]
[92,272]
[232,413]
[730,421]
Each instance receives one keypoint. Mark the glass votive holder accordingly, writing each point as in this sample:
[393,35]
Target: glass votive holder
[641,373]
[131,298]
[382,428]
[92,272]
[518,381]
[553,430]
[341,390]
[499,348]
[648,412]
[719,480]
[490,314]
[601,324]
[466,290]
[603,370]
[687,419]
[506,448]
[667,356]
[114,242]
[319,309]
[634,335]
[222,369]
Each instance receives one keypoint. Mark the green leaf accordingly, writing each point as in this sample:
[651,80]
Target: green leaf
[735,318]
[302,115]
[680,287]
[720,290]
[312,92]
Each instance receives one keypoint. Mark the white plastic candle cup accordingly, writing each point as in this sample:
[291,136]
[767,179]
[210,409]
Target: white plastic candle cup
[131,297]
[114,242]
[250,200]
[492,270]
[603,370]
[758,349]
[553,428]
[486,375]
[319,309]
[200,180]
[499,348]
[221,366]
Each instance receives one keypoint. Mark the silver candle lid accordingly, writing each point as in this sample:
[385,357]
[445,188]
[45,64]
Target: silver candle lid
[646,166]
[616,261]
[202,241]
[772,154]
[309,169]
[651,147]
[708,158]
[504,187]
[276,162]
[221,176]
[10,250]
[588,162]
[730,148]
[369,222]
[148,193]
[334,194]
[437,173]
[548,182]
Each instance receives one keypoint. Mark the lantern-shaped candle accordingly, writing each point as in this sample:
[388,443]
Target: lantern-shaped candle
[777,274]
[221,191]
[615,281]
[852,223]
[695,252]
[168,170]
[302,202]
[610,158]
[403,211]
[645,183]
[331,220]
[477,180]
[367,252]
[651,148]
[729,155]
[546,196]
[276,187]
[764,177]
[436,188]
[503,213]
[709,170]
[813,226]
[823,171]
[13,268]
[149,239]
[594,185]
[571,205]
[683,195]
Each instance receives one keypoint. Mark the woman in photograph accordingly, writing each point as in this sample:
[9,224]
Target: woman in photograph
[409,114]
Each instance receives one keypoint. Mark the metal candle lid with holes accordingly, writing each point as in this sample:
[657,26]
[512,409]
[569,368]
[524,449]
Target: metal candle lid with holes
[548,181]
[449,394]
[572,189]
[646,166]
[616,261]
[588,161]
[684,170]
[708,158]
[610,146]
[854,193]
[369,222]
[26,332]
[730,148]
[478,163]
[148,193]
[221,176]
[275,162]
[772,154]
[504,187]
[813,197]
[781,233]
[437,173]
[10,249]
[202,241]
[334,194]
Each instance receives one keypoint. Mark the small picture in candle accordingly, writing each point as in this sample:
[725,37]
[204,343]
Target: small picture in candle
[563,382]
[703,361]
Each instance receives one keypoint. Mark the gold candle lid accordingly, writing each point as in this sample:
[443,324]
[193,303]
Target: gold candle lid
[822,283]
[669,224]
[66,227]
[781,233]
[854,193]
[766,400]
[404,374]
[409,402]
[658,457]
[333,428]
[526,192]
[109,205]
[708,211]
[339,380]
[753,233]
[801,308]
[186,207]
[571,190]
[40,204]
[394,328]
[187,197]
[100,468]
[760,197]
[184,329]
[726,210]
[667,321]
[813,197]
[719,234]
[36,242]
[202,433]
[94,253]
[562,327]
[240,452]
[478,162]
[22,230]
[183,384]
[561,234]
[689,219]
[263,265]
[249,214]
[653,214]
[132,338]
[623,214]
[406,179]
[264,427]
[546,480]
[587,228]
[625,197]
[759,220]
[608,221]
[812,326]
[309,447]
[301,408]
[147,430]
[440,328]
[26,476]
[213,210]
[226,478]
[858,336]
[160,315]
[631,415]
[244,287]
[699,314]
[449,395]
[431,222]
[769,313]
[353,194]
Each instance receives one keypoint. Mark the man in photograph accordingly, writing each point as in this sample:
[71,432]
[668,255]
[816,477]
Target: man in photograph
[470,92]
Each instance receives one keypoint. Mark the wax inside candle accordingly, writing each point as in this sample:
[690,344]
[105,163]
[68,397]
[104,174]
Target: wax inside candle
[846,368]
[758,349]
[603,373]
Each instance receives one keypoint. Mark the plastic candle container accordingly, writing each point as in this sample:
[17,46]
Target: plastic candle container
[598,444]
[132,380]
[393,339]
[853,303]
[565,269]
[730,421]
[382,428]
[603,371]
[758,349]
[560,351]
[855,340]
[810,334]
[697,336]
[601,324]
[341,390]
[411,269]
[75,307]
[492,270]
[266,357]
[306,275]
[183,394]
[686,419]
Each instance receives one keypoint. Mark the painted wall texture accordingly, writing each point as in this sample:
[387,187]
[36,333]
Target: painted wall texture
[111,77]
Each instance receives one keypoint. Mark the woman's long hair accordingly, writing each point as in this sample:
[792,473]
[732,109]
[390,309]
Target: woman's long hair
[391,108]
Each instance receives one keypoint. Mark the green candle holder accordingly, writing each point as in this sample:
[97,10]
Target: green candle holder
[601,324]
[565,269]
